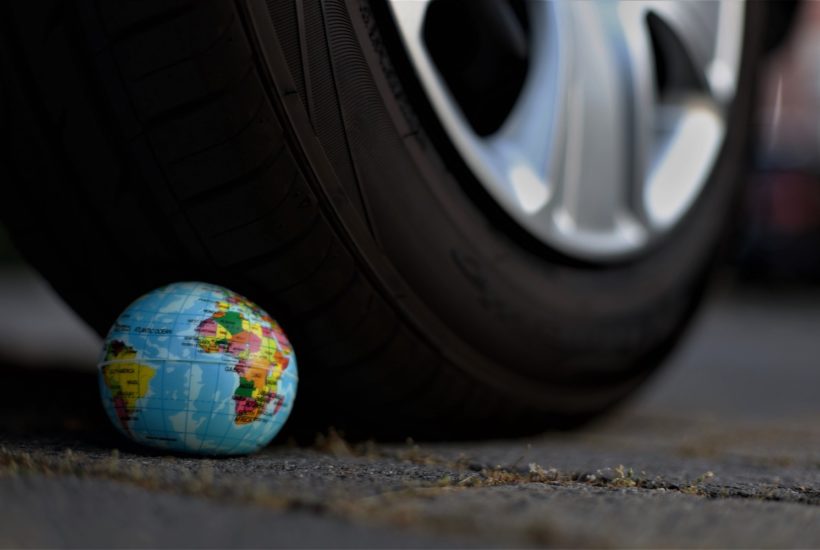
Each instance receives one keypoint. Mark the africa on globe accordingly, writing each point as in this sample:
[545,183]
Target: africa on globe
[197,368]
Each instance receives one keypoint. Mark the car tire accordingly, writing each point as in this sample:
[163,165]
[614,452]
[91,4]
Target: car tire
[286,151]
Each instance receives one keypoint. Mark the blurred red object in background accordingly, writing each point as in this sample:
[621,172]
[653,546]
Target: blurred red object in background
[780,231]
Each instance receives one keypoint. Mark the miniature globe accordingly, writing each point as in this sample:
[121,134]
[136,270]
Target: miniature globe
[194,367]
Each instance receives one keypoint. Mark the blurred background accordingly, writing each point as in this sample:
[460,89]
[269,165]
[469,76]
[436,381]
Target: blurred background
[779,238]
[758,333]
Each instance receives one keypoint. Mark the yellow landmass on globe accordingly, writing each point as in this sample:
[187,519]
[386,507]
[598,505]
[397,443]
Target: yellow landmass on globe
[127,379]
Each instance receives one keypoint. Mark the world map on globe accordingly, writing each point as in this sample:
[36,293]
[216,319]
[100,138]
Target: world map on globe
[195,367]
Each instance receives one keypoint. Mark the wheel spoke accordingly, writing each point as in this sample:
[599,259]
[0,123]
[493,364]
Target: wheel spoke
[608,123]
[714,52]
[528,146]
[694,24]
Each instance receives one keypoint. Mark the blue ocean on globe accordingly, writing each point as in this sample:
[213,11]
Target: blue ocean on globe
[197,368]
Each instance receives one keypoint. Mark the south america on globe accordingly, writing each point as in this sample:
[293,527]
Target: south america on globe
[197,368]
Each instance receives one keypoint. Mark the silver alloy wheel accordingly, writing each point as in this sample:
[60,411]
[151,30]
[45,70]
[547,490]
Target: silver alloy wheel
[593,158]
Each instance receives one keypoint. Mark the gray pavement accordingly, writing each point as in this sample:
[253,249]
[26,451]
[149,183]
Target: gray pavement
[721,449]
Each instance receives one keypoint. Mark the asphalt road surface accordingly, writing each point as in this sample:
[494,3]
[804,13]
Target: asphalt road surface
[721,449]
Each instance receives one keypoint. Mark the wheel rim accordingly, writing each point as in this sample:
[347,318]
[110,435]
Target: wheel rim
[618,120]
